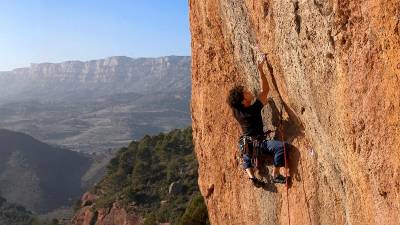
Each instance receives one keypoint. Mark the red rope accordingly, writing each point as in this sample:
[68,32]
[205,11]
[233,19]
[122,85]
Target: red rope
[286,169]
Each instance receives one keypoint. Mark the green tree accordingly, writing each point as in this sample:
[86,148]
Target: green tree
[141,175]
[196,213]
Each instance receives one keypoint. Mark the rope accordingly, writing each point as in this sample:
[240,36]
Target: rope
[287,181]
[286,163]
[260,56]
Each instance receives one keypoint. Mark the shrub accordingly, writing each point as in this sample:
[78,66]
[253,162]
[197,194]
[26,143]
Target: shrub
[196,213]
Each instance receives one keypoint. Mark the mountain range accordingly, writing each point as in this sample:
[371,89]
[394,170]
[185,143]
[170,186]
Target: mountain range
[118,74]
[97,105]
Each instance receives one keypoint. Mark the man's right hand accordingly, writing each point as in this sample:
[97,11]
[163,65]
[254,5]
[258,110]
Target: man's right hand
[262,61]
[262,58]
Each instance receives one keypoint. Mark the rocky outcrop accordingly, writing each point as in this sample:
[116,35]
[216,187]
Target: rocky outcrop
[115,215]
[337,75]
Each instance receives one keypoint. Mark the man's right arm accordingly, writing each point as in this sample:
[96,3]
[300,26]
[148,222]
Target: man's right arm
[263,96]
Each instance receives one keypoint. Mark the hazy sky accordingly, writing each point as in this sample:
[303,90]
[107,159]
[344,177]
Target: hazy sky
[34,31]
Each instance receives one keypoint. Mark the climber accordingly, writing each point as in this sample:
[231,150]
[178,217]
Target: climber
[247,111]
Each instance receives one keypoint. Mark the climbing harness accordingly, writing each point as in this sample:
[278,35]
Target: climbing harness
[250,146]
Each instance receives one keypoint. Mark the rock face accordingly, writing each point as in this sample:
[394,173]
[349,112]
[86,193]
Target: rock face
[336,72]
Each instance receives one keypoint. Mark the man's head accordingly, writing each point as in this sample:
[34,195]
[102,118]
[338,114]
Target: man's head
[239,97]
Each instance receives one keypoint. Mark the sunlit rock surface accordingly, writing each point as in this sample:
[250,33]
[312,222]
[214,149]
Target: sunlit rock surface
[337,70]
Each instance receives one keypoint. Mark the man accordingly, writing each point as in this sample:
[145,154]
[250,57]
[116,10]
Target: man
[247,111]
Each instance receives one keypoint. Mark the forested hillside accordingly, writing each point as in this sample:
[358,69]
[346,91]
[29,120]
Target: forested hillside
[38,176]
[154,179]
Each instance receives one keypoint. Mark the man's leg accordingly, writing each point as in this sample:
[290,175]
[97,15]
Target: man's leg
[277,149]
[275,171]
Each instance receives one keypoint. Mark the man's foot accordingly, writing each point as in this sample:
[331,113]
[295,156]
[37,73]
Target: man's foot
[256,182]
[279,179]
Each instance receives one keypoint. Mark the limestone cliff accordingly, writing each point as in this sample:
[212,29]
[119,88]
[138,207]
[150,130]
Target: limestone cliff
[337,69]
[94,78]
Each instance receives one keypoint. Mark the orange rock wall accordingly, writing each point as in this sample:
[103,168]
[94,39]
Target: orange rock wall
[337,69]
[113,216]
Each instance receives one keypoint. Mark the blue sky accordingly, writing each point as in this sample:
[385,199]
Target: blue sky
[34,31]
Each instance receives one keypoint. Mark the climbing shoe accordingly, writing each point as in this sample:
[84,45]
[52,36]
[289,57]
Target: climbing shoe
[256,182]
[279,179]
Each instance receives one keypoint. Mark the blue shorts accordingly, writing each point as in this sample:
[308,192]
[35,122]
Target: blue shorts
[269,147]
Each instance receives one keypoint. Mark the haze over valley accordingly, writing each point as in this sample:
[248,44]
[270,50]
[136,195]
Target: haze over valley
[92,107]
[97,105]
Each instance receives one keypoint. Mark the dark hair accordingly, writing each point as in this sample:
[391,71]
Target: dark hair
[235,96]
